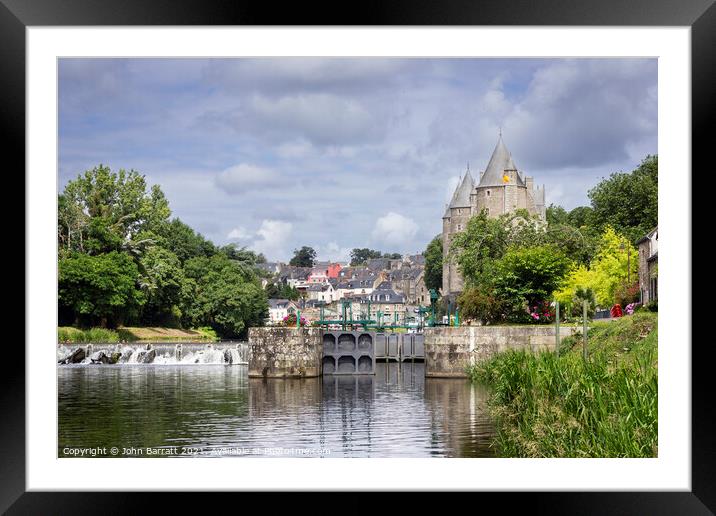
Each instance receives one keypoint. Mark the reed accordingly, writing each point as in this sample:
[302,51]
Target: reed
[546,405]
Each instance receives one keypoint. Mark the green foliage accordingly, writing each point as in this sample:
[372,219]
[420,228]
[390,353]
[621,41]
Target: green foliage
[100,289]
[223,294]
[525,277]
[563,406]
[628,202]
[184,242]
[434,264]
[122,261]
[392,256]
[482,304]
[68,335]
[606,273]
[557,215]
[484,240]
[162,282]
[103,211]
[304,257]
[360,256]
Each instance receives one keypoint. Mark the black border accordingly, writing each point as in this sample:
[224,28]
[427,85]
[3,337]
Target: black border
[700,15]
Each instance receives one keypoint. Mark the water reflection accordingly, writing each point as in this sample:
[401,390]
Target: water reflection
[395,413]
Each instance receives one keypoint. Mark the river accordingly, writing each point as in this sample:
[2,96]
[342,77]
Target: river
[217,411]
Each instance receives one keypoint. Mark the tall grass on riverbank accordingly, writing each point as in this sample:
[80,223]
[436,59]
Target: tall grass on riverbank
[562,406]
[66,334]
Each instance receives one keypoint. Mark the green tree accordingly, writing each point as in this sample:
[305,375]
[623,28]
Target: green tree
[628,202]
[162,282]
[99,289]
[304,257]
[527,276]
[103,211]
[392,256]
[484,240]
[223,294]
[360,256]
[581,216]
[606,273]
[434,264]
[557,215]
[184,242]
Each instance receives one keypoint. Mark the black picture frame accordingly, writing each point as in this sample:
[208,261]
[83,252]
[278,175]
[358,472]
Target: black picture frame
[700,15]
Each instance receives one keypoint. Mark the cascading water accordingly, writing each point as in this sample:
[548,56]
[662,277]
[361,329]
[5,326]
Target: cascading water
[219,353]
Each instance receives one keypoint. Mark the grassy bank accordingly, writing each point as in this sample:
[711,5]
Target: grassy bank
[562,406]
[68,334]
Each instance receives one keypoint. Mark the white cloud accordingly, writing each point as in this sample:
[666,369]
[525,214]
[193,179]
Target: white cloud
[244,177]
[335,253]
[239,233]
[395,229]
[273,239]
[321,118]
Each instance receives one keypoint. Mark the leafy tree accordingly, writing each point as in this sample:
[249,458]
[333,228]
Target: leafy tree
[360,256]
[99,289]
[557,215]
[628,202]
[606,273]
[289,292]
[581,216]
[484,240]
[162,282]
[304,257]
[528,276]
[392,256]
[184,242]
[225,295]
[434,264]
[103,211]
[273,291]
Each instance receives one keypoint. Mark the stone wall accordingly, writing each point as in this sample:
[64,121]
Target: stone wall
[450,350]
[281,352]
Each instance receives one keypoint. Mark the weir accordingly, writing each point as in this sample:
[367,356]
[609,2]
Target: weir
[170,353]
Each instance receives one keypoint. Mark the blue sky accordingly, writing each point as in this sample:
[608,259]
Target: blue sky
[276,153]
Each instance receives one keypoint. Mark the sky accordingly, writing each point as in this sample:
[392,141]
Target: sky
[276,153]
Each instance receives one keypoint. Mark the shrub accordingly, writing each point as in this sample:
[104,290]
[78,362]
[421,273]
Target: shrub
[481,304]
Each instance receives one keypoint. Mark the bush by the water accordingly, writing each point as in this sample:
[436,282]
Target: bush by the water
[563,406]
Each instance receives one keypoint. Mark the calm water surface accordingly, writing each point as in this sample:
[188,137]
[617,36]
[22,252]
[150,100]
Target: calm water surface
[216,410]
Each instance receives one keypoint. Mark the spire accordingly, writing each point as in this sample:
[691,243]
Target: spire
[500,161]
[461,196]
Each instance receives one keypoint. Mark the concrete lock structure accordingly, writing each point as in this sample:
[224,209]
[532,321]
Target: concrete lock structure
[348,352]
[449,351]
[285,352]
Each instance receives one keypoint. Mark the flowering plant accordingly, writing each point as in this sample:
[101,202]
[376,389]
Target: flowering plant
[290,320]
[542,312]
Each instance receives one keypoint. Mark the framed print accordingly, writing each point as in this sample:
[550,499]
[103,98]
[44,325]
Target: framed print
[414,250]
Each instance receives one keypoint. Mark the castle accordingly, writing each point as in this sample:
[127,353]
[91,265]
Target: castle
[501,189]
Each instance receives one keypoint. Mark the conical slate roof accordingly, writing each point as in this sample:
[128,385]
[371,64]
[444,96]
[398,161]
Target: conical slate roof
[500,161]
[461,197]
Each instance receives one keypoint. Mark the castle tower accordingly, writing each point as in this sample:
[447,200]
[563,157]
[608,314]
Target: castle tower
[457,213]
[501,189]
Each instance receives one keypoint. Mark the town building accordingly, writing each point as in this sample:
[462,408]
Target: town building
[280,308]
[649,266]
